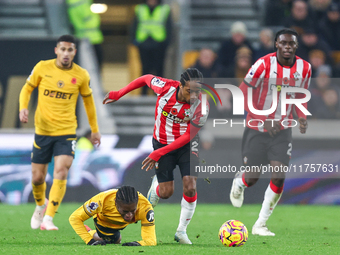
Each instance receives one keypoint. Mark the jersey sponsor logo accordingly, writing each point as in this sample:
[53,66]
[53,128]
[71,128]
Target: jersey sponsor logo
[60,84]
[92,207]
[157,82]
[280,87]
[57,94]
[74,81]
[150,216]
[173,117]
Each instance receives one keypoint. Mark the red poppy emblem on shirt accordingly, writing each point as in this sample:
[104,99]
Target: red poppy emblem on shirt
[285,80]
[174,111]
[74,80]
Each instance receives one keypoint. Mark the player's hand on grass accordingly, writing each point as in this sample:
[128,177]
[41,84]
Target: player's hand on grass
[273,127]
[23,115]
[94,242]
[303,125]
[95,138]
[131,244]
[109,97]
[149,162]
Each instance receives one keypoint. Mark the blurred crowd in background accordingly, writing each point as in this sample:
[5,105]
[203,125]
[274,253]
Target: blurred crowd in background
[316,21]
[318,24]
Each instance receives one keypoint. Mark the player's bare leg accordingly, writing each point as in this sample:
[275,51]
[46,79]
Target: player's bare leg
[271,198]
[38,189]
[188,206]
[241,181]
[157,190]
[62,164]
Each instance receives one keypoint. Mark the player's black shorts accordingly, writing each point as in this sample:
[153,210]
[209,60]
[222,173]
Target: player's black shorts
[181,157]
[46,146]
[260,148]
[110,235]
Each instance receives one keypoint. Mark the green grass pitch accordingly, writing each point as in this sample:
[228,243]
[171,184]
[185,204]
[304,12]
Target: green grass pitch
[299,230]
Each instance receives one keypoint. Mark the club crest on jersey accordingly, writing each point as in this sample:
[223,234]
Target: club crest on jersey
[296,76]
[60,84]
[157,82]
[187,114]
[91,207]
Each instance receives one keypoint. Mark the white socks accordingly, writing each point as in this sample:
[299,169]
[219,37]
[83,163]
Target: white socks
[270,201]
[239,182]
[41,207]
[187,211]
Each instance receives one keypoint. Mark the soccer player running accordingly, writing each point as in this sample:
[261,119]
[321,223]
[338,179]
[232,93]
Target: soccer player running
[271,142]
[59,82]
[112,211]
[178,118]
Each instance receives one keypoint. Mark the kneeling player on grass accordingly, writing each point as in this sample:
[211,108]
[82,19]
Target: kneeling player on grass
[112,211]
[178,119]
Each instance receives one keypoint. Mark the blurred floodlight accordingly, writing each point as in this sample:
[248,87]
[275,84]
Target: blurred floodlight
[98,8]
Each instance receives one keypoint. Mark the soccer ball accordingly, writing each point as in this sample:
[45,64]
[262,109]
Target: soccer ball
[233,233]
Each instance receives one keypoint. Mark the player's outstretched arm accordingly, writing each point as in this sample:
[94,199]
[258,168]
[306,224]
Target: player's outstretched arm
[131,244]
[114,96]
[154,156]
[76,220]
[149,163]
[94,242]
[303,125]
[107,99]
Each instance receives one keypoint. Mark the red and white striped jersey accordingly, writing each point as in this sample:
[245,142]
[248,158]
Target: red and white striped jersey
[172,117]
[268,73]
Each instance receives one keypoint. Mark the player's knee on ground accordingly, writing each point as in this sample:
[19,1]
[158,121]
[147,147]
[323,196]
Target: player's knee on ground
[119,240]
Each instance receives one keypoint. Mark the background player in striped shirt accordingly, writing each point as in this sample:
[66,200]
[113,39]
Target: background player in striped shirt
[59,82]
[112,211]
[178,119]
[267,139]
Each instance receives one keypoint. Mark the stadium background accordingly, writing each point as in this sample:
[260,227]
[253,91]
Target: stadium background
[127,126]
